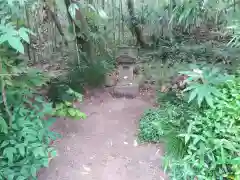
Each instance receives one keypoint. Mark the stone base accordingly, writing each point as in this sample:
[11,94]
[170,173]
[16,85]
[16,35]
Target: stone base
[128,91]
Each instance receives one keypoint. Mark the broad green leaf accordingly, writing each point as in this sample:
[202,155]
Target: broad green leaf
[196,139]
[31,138]
[68,103]
[223,157]
[235,161]
[193,94]
[13,142]
[35,144]
[91,7]
[21,178]
[72,10]
[47,108]
[30,131]
[45,162]
[10,177]
[39,151]
[16,44]
[25,171]
[186,137]
[3,125]
[190,126]
[3,38]
[72,112]
[215,91]
[62,112]
[49,122]
[9,153]
[53,153]
[191,87]
[24,35]
[81,115]
[200,98]
[59,106]
[33,171]
[102,14]
[5,143]
[209,100]
[229,145]
[21,149]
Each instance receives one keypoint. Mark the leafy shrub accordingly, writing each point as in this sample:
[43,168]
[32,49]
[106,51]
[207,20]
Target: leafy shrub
[165,123]
[201,142]
[57,91]
[67,109]
[24,126]
[90,74]
[25,146]
[25,135]
[212,137]
[202,84]
[148,132]
[63,99]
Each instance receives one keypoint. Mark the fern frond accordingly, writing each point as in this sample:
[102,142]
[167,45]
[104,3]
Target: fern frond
[174,146]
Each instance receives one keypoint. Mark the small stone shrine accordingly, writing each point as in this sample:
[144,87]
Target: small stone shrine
[126,86]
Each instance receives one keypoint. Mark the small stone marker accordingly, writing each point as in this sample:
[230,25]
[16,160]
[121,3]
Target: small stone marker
[126,85]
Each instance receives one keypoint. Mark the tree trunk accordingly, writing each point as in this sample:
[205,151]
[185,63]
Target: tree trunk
[135,27]
[84,43]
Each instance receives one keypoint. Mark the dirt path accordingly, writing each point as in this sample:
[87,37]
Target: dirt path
[103,147]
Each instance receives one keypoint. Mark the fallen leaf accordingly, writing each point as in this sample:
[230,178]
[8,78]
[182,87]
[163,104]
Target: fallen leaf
[92,157]
[86,168]
[84,173]
[135,143]
[111,144]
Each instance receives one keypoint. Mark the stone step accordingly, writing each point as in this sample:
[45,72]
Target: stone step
[124,82]
[129,91]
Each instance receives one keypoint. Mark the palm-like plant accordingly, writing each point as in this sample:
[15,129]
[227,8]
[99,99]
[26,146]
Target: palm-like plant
[202,84]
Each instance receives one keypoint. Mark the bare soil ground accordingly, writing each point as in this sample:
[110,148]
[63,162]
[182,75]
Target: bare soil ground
[104,146]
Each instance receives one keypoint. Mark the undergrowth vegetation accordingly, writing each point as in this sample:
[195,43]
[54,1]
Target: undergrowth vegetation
[198,123]
[79,40]
[200,129]
[26,116]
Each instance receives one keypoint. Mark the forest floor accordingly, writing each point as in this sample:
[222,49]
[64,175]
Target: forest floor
[104,146]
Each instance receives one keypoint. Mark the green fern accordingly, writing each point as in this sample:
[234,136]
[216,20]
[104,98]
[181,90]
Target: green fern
[166,123]
[202,84]
[175,146]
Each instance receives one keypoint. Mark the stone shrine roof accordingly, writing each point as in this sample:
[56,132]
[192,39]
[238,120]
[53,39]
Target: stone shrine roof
[125,59]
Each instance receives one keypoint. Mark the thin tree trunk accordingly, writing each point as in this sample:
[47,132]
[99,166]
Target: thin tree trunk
[84,43]
[57,23]
[103,4]
[122,23]
[28,26]
[135,28]
[119,24]
[113,14]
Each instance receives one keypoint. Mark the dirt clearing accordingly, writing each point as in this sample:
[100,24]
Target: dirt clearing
[104,146]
